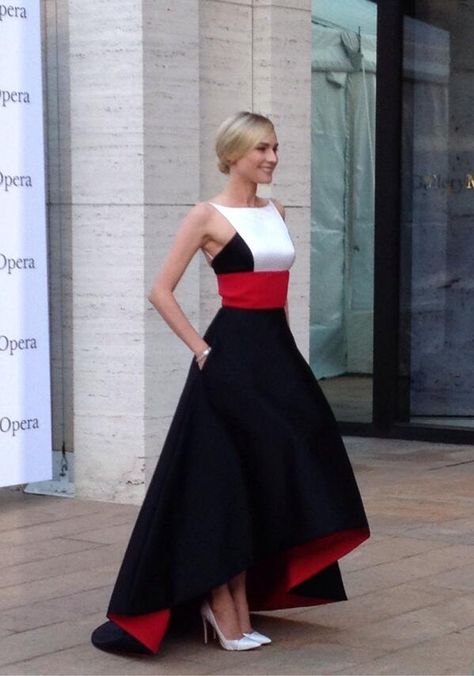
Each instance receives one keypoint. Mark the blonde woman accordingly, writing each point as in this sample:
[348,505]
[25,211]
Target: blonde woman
[253,499]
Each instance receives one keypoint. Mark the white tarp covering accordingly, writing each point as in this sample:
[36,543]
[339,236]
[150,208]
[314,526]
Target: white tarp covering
[342,199]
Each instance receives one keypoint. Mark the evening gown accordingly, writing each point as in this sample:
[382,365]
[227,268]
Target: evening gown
[253,474]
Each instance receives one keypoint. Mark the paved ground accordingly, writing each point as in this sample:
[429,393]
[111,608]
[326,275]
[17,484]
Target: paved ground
[411,586]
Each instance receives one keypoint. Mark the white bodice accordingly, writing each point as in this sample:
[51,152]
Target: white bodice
[265,233]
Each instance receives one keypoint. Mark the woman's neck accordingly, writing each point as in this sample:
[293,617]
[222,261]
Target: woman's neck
[240,192]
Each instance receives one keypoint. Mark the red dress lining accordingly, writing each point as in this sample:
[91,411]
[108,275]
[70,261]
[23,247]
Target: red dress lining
[269,583]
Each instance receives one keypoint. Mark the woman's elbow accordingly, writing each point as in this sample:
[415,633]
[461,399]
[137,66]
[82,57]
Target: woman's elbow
[158,295]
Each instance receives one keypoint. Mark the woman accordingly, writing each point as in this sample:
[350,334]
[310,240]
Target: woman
[253,500]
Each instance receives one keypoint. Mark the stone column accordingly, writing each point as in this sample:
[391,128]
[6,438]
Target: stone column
[171,188]
[282,86]
[108,252]
[135,168]
[225,87]
[256,55]
[147,84]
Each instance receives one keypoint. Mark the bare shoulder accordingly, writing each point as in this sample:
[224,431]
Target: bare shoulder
[197,217]
[279,206]
[200,212]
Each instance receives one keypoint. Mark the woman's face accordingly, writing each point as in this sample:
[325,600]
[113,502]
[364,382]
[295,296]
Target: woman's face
[257,164]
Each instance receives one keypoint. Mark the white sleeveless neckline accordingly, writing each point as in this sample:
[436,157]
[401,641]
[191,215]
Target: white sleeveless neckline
[265,233]
[224,206]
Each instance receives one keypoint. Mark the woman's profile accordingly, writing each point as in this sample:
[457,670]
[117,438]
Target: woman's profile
[253,499]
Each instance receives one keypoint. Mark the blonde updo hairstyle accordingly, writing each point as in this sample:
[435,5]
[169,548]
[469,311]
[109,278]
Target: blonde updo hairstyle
[238,134]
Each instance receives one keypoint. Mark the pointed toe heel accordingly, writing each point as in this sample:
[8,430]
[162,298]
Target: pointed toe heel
[243,643]
[258,637]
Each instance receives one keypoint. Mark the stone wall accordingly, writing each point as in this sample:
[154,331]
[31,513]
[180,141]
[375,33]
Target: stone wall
[135,92]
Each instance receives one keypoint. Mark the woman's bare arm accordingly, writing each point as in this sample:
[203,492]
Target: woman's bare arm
[191,235]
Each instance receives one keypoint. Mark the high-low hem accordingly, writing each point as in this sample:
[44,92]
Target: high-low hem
[270,584]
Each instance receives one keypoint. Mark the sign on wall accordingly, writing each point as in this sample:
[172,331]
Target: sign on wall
[25,400]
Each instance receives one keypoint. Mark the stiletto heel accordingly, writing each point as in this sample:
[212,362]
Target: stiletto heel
[243,643]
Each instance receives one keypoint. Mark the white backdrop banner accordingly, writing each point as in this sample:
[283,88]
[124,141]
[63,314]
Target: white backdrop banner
[25,399]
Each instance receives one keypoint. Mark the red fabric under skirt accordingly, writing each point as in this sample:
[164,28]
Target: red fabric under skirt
[269,583]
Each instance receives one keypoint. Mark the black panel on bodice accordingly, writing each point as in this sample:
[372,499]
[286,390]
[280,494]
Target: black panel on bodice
[236,256]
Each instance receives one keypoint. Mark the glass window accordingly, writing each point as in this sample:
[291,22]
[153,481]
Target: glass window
[342,203]
[436,360]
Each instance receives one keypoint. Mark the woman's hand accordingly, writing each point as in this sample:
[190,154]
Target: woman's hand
[201,363]
[202,356]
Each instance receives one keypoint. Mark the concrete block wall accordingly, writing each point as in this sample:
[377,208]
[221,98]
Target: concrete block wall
[135,92]
[171,187]
[256,55]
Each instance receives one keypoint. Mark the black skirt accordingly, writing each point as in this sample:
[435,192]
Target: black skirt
[253,476]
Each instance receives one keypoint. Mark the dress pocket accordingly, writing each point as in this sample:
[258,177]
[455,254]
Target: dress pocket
[208,359]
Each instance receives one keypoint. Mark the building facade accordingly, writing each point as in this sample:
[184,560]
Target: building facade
[134,93]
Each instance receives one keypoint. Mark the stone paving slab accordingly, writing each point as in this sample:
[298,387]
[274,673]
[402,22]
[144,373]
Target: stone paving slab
[17,555]
[410,586]
[371,608]
[451,654]
[52,611]
[107,535]
[386,549]
[85,559]
[462,579]
[63,527]
[413,627]
[61,585]
[419,566]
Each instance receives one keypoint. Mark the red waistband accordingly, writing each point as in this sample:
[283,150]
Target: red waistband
[254,290]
